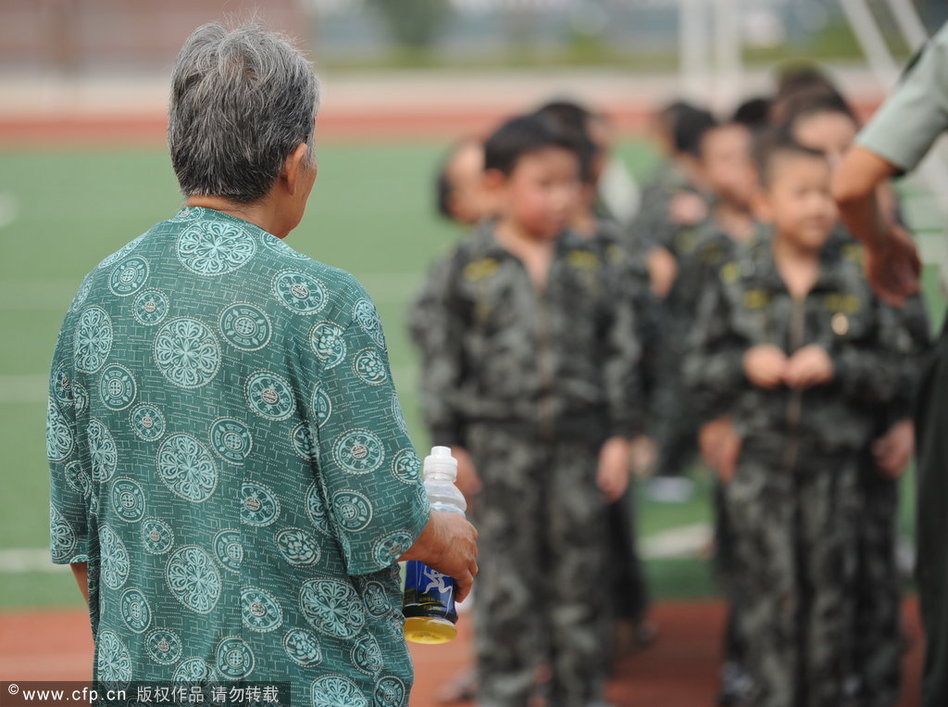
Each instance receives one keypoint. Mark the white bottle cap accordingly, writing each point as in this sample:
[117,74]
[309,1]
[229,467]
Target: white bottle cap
[440,461]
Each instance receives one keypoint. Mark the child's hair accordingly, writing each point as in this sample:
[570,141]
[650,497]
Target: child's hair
[814,102]
[574,120]
[802,77]
[775,144]
[753,113]
[691,125]
[521,136]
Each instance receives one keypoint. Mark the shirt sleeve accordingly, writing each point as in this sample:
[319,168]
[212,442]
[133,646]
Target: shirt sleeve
[70,481]
[908,123]
[368,469]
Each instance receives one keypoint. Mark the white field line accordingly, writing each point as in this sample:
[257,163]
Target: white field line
[9,208]
[684,542]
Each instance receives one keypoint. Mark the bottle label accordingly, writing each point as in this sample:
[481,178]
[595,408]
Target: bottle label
[428,592]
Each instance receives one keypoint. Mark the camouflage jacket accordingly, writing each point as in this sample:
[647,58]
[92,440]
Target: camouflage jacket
[495,349]
[748,304]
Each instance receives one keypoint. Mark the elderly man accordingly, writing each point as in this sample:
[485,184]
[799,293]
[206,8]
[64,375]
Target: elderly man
[232,480]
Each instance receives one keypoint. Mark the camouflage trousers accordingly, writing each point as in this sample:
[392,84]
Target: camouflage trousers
[541,595]
[795,541]
[878,652]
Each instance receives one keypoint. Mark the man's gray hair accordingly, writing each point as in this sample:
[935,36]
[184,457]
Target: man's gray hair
[241,101]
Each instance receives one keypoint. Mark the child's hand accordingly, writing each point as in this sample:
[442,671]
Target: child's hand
[612,476]
[809,366]
[468,481]
[720,447]
[893,450]
[765,365]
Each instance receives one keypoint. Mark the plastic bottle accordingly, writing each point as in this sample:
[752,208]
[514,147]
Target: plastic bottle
[428,605]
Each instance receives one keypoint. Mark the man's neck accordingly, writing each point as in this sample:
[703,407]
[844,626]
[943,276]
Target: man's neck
[260,213]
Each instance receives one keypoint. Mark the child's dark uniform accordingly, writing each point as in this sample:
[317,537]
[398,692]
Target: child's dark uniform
[795,502]
[532,382]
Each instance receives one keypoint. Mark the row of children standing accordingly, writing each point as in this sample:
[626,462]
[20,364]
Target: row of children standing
[731,315]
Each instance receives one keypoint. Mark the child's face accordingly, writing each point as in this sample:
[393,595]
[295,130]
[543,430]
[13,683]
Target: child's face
[726,161]
[541,194]
[798,201]
[831,133]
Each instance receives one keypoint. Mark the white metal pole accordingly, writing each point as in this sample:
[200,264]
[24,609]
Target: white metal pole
[906,17]
[728,53]
[693,50]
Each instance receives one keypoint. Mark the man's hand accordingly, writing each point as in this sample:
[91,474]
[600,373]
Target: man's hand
[612,476]
[448,544]
[809,366]
[720,447]
[893,267]
[765,365]
[468,481]
[894,449]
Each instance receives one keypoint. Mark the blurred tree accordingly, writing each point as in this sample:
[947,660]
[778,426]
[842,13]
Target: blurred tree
[413,23]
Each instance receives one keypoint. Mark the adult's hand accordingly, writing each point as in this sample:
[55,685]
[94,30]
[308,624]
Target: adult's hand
[448,544]
[893,267]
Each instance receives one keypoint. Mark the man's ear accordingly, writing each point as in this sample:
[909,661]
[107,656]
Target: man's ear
[493,180]
[293,166]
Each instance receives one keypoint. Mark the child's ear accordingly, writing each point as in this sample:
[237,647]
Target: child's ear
[494,180]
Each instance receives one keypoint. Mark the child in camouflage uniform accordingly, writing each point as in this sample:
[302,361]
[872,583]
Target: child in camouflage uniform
[793,348]
[531,382]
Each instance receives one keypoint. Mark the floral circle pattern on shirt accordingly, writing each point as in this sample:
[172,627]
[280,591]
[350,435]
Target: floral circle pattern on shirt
[352,510]
[187,353]
[192,670]
[260,610]
[147,422]
[231,439]
[228,550]
[136,612]
[389,692]
[115,563]
[303,443]
[92,339]
[186,467]
[151,307]
[406,466]
[337,691]
[245,326]
[367,318]
[321,405]
[193,578]
[316,509]
[270,396]
[157,536]
[299,292]
[61,536]
[128,500]
[117,387]
[302,647]
[260,506]
[332,607]
[102,451]
[369,365]
[78,479]
[59,440]
[327,341]
[129,276]
[113,661]
[298,547]
[366,655]
[359,451]
[163,646]
[234,658]
[213,248]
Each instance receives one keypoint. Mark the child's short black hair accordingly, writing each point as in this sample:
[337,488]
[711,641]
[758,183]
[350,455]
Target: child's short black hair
[754,113]
[573,119]
[522,135]
[443,189]
[808,103]
[776,143]
[690,126]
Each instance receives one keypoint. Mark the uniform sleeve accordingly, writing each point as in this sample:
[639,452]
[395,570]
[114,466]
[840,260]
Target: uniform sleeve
[368,469]
[70,481]
[437,324]
[713,362]
[909,122]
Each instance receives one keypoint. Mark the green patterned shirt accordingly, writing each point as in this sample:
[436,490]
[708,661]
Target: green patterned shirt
[229,456]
